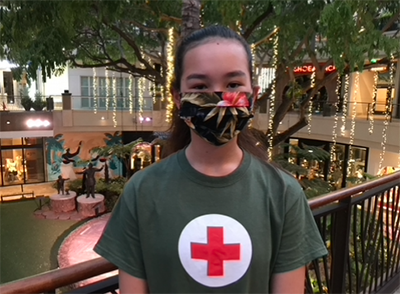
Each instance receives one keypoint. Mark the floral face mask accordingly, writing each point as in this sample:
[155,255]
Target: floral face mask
[217,117]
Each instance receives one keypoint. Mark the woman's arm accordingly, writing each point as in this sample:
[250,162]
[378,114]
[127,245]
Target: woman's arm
[289,283]
[130,284]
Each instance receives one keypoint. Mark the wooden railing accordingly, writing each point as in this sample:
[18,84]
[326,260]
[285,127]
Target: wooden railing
[336,208]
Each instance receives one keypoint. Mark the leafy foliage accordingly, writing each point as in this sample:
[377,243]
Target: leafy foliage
[131,36]
[313,186]
[123,152]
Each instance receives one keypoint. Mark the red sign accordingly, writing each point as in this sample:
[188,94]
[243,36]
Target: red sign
[308,69]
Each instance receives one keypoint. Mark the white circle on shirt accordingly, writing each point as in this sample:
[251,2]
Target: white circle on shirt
[215,250]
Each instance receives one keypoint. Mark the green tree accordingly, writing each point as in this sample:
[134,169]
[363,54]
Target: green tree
[132,36]
[123,152]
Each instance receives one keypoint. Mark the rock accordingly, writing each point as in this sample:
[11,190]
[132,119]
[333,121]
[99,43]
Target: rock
[88,207]
[63,203]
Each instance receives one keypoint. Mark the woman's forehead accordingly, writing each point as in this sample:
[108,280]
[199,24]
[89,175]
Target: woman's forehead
[216,55]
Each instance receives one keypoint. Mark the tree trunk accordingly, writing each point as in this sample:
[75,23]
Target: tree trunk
[191,10]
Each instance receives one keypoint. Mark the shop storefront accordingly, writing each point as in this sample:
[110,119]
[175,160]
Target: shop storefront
[344,166]
[22,161]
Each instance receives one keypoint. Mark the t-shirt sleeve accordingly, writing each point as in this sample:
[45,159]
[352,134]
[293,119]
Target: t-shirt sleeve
[301,241]
[120,242]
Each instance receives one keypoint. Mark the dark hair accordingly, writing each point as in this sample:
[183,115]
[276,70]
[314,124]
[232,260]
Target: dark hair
[180,132]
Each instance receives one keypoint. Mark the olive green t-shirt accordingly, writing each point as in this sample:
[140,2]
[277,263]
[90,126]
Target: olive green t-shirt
[185,232]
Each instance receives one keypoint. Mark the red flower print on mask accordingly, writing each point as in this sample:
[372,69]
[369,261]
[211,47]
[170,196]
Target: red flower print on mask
[234,99]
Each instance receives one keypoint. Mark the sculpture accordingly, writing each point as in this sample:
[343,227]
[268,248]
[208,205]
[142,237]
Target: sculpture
[60,185]
[89,179]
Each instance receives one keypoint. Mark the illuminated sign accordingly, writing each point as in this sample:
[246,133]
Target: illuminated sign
[37,123]
[310,69]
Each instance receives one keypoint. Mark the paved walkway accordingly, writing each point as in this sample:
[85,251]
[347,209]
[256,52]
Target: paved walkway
[45,189]
[78,246]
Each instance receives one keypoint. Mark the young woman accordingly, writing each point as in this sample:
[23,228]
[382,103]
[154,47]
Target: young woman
[213,217]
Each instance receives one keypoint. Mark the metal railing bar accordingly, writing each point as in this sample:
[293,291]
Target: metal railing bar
[370,193]
[344,193]
[355,247]
[104,286]
[54,279]
[395,249]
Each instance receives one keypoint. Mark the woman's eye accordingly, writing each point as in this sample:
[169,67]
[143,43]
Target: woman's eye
[233,85]
[199,87]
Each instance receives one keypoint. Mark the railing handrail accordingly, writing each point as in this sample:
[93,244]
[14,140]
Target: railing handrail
[341,194]
[48,281]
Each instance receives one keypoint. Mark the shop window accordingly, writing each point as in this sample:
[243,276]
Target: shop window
[33,141]
[34,162]
[11,142]
[12,166]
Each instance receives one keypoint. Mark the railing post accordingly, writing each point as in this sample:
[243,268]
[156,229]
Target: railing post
[340,246]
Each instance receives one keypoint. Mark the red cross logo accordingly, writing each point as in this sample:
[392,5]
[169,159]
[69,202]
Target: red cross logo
[215,252]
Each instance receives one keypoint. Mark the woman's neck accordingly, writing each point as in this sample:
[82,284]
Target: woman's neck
[215,161]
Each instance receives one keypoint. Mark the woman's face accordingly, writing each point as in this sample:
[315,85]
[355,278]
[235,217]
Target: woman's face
[219,65]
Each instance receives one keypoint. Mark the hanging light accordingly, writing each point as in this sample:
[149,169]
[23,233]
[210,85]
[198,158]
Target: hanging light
[345,101]
[310,103]
[388,111]
[372,109]
[271,110]
[336,119]
[114,101]
[141,99]
[108,89]
[131,81]
[170,72]
[94,90]
[353,121]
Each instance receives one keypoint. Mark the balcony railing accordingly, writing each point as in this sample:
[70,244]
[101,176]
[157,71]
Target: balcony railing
[360,225]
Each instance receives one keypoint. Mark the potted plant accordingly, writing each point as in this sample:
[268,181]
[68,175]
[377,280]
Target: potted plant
[26,103]
[38,104]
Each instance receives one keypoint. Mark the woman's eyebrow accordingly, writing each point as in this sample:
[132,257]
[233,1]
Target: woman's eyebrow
[234,74]
[196,77]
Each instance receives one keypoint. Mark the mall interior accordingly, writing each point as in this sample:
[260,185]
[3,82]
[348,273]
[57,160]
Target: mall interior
[360,127]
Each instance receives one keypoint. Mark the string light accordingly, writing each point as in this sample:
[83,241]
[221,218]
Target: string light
[170,72]
[271,110]
[372,109]
[336,119]
[310,103]
[253,57]
[141,100]
[131,80]
[107,89]
[353,121]
[114,101]
[389,101]
[239,26]
[255,70]
[345,100]
[94,91]
[398,164]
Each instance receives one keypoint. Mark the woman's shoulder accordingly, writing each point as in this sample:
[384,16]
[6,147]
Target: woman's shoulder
[277,176]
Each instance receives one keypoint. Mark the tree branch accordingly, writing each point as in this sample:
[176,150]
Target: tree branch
[137,51]
[262,17]
[273,32]
[290,131]
[391,21]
